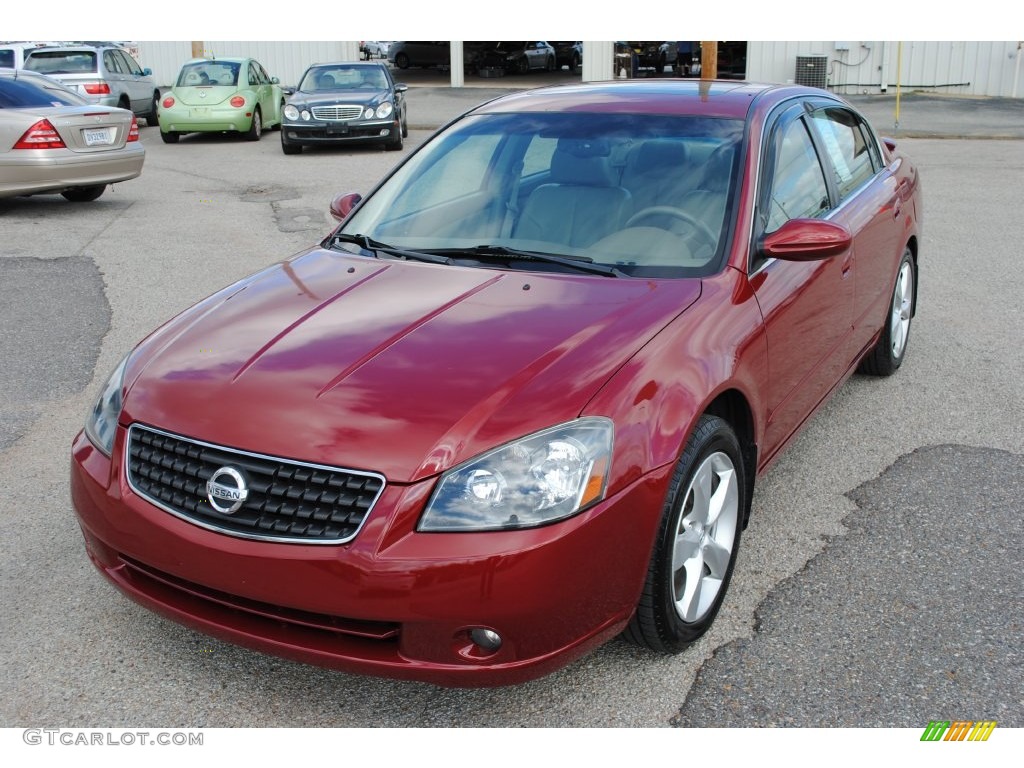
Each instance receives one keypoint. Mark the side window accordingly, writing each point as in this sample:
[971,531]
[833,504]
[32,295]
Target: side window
[128,64]
[254,76]
[463,167]
[6,58]
[112,63]
[842,135]
[538,156]
[797,183]
[263,73]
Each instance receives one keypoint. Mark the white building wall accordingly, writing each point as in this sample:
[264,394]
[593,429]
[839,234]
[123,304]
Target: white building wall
[961,68]
[283,60]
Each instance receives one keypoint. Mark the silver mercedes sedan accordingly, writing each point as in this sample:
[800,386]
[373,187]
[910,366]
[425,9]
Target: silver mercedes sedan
[53,141]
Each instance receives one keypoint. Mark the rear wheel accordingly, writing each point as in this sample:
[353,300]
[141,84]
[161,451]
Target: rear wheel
[402,61]
[256,129]
[84,194]
[698,538]
[170,137]
[888,354]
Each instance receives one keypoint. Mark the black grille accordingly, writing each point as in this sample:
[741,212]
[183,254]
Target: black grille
[288,501]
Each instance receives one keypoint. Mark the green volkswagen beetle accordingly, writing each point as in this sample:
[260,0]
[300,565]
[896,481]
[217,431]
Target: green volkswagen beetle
[213,94]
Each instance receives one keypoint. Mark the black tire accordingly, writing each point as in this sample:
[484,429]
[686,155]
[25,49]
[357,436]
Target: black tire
[170,137]
[289,148]
[551,64]
[405,126]
[396,143]
[887,356]
[84,194]
[402,61]
[256,129]
[522,65]
[714,455]
[280,117]
[151,116]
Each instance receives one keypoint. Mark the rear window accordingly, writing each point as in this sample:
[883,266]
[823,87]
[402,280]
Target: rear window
[21,93]
[61,62]
[7,58]
[209,73]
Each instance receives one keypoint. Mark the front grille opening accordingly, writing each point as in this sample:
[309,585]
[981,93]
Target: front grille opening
[287,501]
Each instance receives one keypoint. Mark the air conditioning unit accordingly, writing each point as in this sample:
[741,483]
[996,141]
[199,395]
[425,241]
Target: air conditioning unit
[812,71]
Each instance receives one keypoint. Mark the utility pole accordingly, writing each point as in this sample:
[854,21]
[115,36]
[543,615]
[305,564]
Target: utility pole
[709,59]
[197,49]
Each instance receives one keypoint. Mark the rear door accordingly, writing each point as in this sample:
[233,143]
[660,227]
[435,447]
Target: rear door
[869,205]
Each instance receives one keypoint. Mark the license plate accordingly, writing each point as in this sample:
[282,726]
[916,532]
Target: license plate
[199,111]
[98,136]
[337,130]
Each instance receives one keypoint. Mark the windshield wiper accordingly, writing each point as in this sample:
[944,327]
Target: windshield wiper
[369,244]
[581,263]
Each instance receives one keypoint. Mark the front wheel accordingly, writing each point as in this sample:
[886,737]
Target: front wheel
[151,116]
[888,354]
[256,129]
[698,538]
[288,148]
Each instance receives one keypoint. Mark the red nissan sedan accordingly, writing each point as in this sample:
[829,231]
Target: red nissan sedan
[516,403]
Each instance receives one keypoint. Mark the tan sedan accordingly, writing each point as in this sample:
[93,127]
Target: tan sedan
[53,141]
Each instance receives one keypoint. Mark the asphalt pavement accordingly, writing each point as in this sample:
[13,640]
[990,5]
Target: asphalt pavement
[878,582]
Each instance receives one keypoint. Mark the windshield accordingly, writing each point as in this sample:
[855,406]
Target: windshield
[343,78]
[646,194]
[209,73]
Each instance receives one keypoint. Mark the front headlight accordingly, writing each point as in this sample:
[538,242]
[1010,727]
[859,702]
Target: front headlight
[101,423]
[291,112]
[384,110]
[544,477]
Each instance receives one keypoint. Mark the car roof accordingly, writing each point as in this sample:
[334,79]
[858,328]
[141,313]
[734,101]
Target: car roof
[365,64]
[710,98]
[215,59]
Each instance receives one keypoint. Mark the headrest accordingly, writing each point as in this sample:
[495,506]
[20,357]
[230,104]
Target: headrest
[664,155]
[583,162]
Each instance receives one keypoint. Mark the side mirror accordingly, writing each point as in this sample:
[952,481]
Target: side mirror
[275,81]
[147,72]
[401,87]
[342,205]
[806,240]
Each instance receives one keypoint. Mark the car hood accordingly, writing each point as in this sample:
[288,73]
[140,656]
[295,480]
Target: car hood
[309,99]
[397,367]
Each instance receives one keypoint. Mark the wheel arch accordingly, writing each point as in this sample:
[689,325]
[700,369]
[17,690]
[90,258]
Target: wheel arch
[913,245]
[733,407]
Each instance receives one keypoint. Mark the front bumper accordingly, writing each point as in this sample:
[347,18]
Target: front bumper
[393,602]
[322,132]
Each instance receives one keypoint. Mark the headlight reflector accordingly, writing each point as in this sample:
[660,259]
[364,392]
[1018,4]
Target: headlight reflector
[291,112]
[384,110]
[101,423]
[539,479]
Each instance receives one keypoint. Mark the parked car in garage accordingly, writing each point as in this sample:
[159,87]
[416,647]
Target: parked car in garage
[342,103]
[54,141]
[374,49]
[568,54]
[219,95]
[102,74]
[520,57]
[518,401]
[433,53]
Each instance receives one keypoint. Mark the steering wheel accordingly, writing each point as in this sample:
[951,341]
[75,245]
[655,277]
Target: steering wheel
[696,224]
